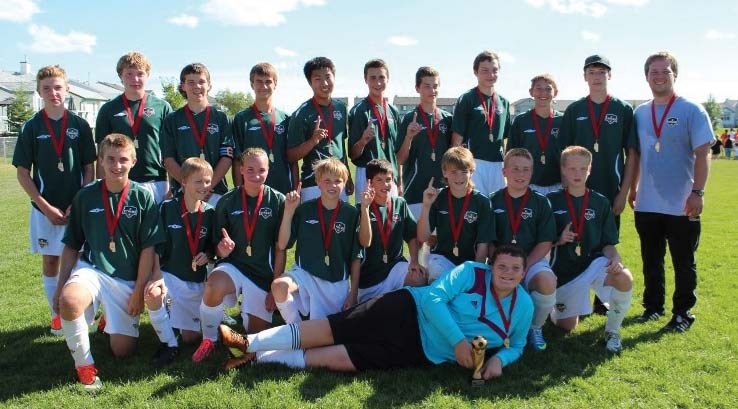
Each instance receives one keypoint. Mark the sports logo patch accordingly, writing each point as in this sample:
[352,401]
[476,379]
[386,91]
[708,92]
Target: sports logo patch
[213,128]
[96,210]
[560,212]
[529,131]
[396,218]
[443,211]
[43,243]
[195,319]
[339,227]
[175,226]
[470,216]
[279,129]
[311,221]
[149,112]
[203,232]
[183,128]
[236,212]
[72,133]
[560,307]
[499,211]
[611,119]
[672,121]
[589,214]
[130,211]
[582,118]
[555,132]
[442,128]
[474,303]
[43,136]
[265,213]
[527,214]
[121,113]
[337,115]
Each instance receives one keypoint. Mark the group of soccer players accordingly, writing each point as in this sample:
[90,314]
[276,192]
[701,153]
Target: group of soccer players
[500,236]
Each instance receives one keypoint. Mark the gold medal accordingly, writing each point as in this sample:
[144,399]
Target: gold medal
[327,260]
[543,159]
[597,147]
[271,157]
[248,250]
[514,241]
[657,147]
[491,137]
[506,342]
[135,143]
[384,258]
[433,156]
[194,265]
[578,249]
[111,245]
[202,155]
[456,250]
[60,166]
[384,145]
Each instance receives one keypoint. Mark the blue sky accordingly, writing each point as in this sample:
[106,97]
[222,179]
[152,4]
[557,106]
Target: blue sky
[532,37]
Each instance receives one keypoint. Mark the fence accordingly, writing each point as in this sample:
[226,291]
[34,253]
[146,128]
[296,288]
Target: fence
[7,147]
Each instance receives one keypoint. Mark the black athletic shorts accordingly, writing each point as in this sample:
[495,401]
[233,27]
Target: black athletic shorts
[381,333]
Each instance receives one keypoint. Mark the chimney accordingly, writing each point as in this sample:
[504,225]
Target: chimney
[25,67]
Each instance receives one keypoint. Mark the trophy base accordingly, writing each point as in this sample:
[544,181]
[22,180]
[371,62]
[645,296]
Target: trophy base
[477,383]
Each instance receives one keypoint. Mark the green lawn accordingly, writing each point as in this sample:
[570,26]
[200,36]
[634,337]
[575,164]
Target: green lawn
[696,369]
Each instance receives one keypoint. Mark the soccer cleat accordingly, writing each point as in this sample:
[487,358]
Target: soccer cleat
[87,376]
[236,343]
[204,350]
[535,339]
[613,343]
[649,315]
[680,322]
[237,362]
[165,355]
[228,320]
[56,328]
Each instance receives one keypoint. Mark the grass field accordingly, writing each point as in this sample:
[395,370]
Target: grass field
[696,369]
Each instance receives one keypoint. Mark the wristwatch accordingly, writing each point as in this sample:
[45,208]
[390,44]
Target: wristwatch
[698,192]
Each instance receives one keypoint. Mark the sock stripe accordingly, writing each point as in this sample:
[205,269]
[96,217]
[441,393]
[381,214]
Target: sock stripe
[295,330]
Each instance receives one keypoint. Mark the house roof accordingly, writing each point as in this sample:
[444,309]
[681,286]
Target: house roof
[84,91]
[398,100]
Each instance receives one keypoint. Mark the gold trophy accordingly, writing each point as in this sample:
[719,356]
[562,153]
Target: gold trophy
[479,345]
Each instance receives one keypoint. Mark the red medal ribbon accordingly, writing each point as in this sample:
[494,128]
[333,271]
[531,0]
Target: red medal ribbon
[58,142]
[489,113]
[515,216]
[596,126]
[268,132]
[577,222]
[657,128]
[328,122]
[543,139]
[327,233]
[193,240]
[456,227]
[111,220]
[250,225]
[199,134]
[384,229]
[381,119]
[506,319]
[135,123]
[432,132]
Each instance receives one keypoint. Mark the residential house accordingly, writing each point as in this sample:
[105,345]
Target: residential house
[730,113]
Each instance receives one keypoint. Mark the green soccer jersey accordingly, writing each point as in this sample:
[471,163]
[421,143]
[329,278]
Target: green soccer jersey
[247,133]
[35,151]
[421,164]
[546,170]
[470,121]
[344,243]
[373,268]
[383,146]
[617,134]
[477,225]
[178,140]
[175,256]
[230,213]
[536,224]
[598,231]
[302,125]
[137,229]
[113,118]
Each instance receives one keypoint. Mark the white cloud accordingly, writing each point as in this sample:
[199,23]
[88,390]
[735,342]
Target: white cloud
[590,36]
[184,20]
[506,57]
[18,11]
[283,52]
[402,41]
[254,12]
[713,34]
[586,7]
[46,40]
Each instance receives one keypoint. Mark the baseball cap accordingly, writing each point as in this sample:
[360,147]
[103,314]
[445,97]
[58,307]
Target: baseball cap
[597,59]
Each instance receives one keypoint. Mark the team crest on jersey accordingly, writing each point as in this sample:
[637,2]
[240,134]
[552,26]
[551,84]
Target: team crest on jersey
[470,216]
[72,133]
[339,227]
[526,214]
[589,214]
[213,129]
[560,307]
[149,112]
[175,226]
[311,221]
[673,121]
[337,115]
[203,232]
[279,129]
[130,211]
[442,128]
[396,218]
[555,132]
[611,119]
[265,213]
[43,243]
[474,303]
[96,210]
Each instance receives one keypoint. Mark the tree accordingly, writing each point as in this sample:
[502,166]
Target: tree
[19,111]
[171,93]
[233,102]
[715,111]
